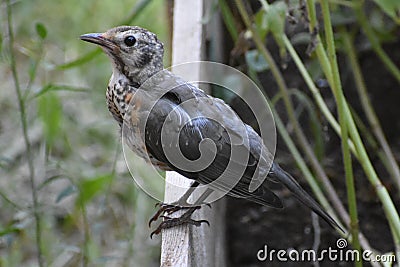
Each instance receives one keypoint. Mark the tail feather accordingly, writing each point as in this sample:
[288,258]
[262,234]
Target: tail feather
[283,177]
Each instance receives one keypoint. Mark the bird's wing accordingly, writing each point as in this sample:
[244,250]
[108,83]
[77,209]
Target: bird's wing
[187,121]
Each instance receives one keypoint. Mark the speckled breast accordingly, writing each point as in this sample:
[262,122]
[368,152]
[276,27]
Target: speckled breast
[133,130]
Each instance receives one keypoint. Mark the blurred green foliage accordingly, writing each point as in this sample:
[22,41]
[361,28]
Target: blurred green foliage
[91,211]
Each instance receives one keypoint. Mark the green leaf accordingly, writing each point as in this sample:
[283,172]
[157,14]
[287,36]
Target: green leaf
[52,179]
[50,112]
[69,190]
[9,230]
[80,61]
[261,22]
[56,87]
[256,61]
[276,17]
[391,8]
[88,188]
[41,30]
[272,19]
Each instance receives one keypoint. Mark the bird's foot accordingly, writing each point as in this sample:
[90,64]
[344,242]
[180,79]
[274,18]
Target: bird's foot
[165,208]
[168,209]
[169,222]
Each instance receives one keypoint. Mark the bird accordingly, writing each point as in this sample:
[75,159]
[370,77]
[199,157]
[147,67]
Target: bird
[142,95]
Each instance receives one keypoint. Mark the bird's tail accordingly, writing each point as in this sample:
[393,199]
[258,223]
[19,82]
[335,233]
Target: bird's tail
[283,177]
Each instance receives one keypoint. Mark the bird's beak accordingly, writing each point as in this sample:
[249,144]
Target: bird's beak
[99,39]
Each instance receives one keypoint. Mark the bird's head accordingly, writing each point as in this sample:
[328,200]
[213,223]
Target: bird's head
[135,52]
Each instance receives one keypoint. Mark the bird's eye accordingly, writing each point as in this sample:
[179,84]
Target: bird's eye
[130,40]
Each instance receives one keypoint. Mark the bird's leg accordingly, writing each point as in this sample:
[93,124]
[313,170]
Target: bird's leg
[170,208]
[169,222]
[183,200]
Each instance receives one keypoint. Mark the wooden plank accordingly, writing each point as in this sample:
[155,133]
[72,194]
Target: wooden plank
[187,245]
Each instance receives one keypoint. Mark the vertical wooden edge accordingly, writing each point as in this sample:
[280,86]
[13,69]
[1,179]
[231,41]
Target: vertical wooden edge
[176,242]
[187,245]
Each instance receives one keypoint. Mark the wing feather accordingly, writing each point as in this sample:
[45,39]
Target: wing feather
[222,130]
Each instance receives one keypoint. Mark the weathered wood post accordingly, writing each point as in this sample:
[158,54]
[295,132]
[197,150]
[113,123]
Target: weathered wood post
[187,245]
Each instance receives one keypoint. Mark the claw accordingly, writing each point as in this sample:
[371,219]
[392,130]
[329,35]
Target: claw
[155,232]
[155,217]
[203,221]
[169,209]
[164,208]
[172,222]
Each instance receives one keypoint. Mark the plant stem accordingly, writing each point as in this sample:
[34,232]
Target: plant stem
[321,54]
[370,138]
[302,165]
[334,124]
[288,104]
[319,49]
[34,71]
[86,234]
[22,111]
[314,90]
[383,195]
[311,180]
[315,164]
[341,102]
[290,110]
[228,19]
[368,109]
